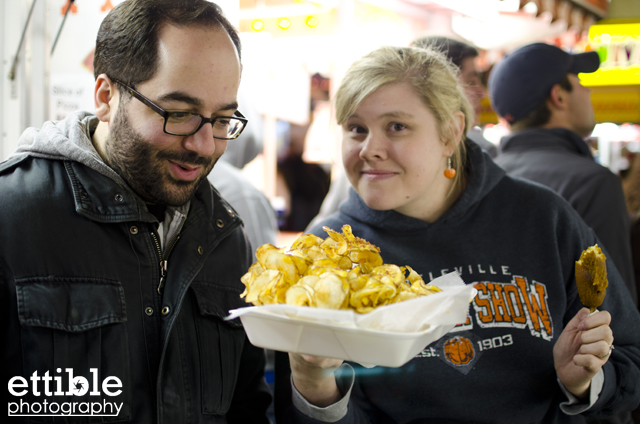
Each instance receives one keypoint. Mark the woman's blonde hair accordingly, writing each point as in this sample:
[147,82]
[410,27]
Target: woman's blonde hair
[434,79]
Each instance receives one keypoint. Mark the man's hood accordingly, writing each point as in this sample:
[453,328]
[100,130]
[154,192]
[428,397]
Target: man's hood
[69,139]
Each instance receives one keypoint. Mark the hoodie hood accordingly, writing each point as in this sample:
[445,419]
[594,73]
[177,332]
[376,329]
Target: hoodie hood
[69,139]
[484,175]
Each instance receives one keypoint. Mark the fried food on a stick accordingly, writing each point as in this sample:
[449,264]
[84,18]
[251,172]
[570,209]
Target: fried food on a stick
[591,277]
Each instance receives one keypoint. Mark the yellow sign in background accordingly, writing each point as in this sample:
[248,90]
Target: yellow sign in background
[618,104]
[615,86]
[618,45]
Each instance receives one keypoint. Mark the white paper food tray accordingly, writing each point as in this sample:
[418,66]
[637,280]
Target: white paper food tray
[367,347]
[389,336]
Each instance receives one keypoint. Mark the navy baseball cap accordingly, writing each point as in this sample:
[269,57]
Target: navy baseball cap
[523,78]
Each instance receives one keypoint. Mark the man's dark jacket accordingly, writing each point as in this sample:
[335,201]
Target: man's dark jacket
[559,159]
[79,276]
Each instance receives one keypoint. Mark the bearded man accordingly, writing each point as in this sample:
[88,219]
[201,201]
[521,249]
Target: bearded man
[118,260]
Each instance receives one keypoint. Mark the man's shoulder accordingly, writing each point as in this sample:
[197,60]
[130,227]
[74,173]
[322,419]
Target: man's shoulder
[576,177]
[235,188]
[27,172]
[541,158]
[12,162]
[33,188]
[230,181]
[550,141]
[544,151]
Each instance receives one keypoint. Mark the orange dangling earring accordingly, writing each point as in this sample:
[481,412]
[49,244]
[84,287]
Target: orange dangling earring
[449,172]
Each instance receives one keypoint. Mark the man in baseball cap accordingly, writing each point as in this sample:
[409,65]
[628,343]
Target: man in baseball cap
[536,89]
[520,84]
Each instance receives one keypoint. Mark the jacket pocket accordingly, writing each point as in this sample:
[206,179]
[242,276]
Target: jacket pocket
[74,338]
[221,344]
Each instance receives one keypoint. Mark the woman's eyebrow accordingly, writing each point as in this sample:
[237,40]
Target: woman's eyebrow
[396,114]
[393,114]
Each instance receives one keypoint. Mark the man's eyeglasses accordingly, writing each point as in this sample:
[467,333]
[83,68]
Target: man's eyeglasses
[188,123]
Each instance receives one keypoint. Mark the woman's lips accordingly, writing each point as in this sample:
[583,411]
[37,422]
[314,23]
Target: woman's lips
[184,172]
[377,174]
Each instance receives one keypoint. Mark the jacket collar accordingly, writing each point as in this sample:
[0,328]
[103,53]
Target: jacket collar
[545,139]
[101,199]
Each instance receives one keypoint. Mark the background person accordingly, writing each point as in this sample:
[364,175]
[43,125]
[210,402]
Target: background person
[463,56]
[631,187]
[115,252]
[304,185]
[532,351]
[254,208]
[536,89]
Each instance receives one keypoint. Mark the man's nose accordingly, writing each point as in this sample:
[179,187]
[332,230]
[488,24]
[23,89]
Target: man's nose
[202,141]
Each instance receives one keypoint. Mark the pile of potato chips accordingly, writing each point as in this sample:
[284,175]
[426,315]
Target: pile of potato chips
[339,272]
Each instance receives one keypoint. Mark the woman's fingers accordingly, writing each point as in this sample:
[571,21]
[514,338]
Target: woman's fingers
[596,337]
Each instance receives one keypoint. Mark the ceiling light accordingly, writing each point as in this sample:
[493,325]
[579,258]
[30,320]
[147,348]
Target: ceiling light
[257,25]
[284,23]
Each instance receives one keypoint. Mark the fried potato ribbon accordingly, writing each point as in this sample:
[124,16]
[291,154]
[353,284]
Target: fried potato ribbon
[341,271]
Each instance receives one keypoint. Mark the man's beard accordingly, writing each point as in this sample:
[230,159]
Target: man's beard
[144,167]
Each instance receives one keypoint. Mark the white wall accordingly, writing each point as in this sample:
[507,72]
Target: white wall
[22,100]
[25,100]
[49,87]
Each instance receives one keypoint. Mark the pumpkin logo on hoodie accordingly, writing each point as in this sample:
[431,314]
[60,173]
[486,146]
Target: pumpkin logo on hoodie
[459,350]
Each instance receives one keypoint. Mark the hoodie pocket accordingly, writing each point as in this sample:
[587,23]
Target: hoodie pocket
[221,344]
[73,339]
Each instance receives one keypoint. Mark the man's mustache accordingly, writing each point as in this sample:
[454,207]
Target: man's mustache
[189,158]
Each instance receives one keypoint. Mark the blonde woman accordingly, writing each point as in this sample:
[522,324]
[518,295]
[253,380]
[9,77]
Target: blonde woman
[430,198]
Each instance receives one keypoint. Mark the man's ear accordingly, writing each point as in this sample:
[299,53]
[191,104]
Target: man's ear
[557,98]
[105,97]
[504,123]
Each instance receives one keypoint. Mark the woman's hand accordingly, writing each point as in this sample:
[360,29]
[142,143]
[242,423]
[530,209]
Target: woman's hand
[582,349]
[314,379]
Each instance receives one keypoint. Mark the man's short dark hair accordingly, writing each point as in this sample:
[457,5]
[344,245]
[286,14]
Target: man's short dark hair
[541,114]
[455,50]
[127,41]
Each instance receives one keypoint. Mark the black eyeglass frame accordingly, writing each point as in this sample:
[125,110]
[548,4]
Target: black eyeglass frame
[166,113]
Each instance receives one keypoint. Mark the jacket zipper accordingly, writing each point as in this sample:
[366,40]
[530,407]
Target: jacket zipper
[164,259]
